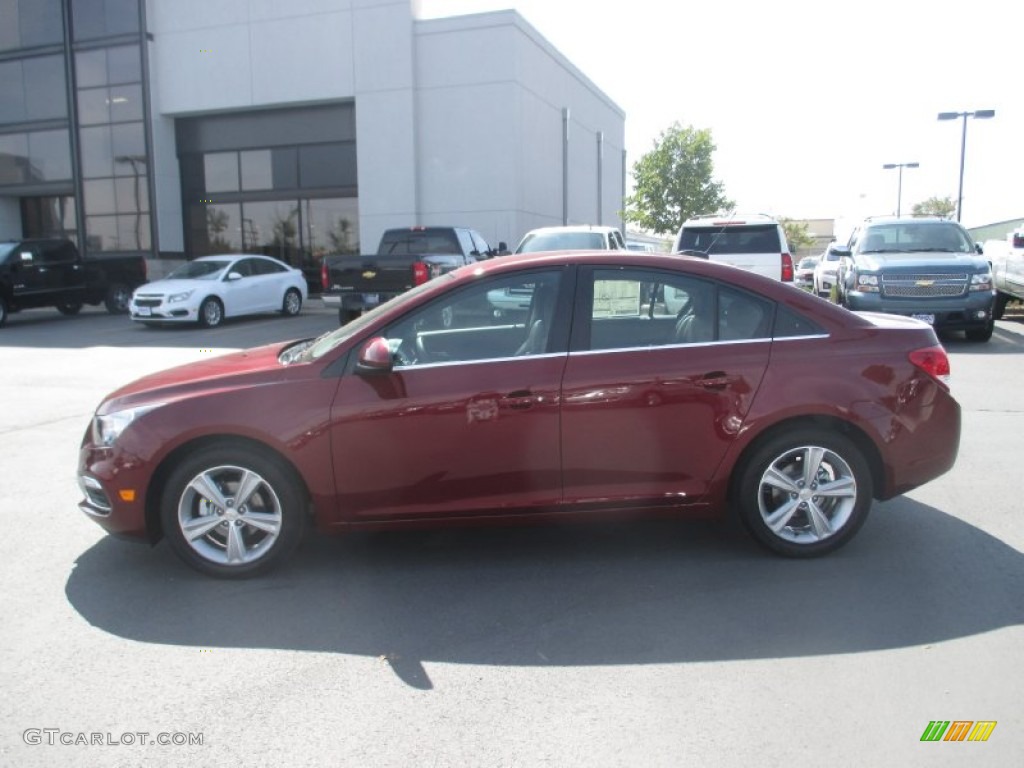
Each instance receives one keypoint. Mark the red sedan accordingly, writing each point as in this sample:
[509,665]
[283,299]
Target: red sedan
[636,383]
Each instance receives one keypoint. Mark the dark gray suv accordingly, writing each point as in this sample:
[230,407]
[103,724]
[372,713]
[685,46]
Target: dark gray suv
[928,268]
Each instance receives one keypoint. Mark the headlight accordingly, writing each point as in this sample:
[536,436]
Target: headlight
[981,281]
[174,297]
[867,283]
[108,427]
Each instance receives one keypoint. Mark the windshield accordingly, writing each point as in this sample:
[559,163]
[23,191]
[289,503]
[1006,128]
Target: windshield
[418,242]
[198,270]
[757,238]
[915,236]
[330,340]
[562,241]
[807,262]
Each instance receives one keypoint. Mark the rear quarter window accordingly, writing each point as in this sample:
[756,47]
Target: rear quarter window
[789,324]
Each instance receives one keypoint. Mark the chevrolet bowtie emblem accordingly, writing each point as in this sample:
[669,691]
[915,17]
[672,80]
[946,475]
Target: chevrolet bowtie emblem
[924,283]
[369,274]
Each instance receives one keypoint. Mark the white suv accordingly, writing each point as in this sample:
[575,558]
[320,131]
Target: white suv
[756,243]
[572,238]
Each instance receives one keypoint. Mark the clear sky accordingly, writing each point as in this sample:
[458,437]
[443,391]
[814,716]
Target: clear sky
[807,100]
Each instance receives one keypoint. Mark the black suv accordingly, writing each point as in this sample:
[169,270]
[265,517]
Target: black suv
[928,268]
[52,273]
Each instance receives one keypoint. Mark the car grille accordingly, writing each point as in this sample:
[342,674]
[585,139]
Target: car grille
[924,285]
[142,302]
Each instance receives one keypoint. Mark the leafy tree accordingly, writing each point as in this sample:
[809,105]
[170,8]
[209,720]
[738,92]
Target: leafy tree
[936,206]
[797,234]
[674,181]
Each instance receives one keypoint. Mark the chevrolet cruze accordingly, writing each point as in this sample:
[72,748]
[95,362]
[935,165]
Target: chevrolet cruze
[601,400]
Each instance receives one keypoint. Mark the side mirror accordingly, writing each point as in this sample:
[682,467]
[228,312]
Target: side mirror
[26,258]
[375,356]
[978,247]
[502,248]
[841,251]
[232,276]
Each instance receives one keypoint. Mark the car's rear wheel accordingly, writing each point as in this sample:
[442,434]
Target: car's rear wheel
[211,312]
[292,304]
[117,299]
[69,307]
[232,511]
[804,493]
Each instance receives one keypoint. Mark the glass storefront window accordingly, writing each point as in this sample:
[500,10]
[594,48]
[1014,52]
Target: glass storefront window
[92,19]
[216,229]
[330,226]
[131,194]
[14,158]
[28,23]
[128,142]
[271,228]
[221,171]
[28,158]
[32,89]
[257,170]
[327,165]
[98,196]
[48,216]
[108,66]
[117,233]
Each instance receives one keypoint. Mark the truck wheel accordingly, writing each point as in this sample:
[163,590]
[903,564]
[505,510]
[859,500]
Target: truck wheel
[292,304]
[981,334]
[117,299]
[347,315]
[999,308]
[69,307]
[211,312]
[3,310]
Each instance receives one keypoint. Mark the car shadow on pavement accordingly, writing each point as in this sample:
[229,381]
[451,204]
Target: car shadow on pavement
[573,594]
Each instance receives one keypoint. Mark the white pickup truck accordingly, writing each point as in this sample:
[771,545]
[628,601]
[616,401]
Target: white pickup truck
[1007,260]
[754,242]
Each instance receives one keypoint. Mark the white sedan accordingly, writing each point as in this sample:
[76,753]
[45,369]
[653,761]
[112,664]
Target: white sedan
[825,272]
[211,288]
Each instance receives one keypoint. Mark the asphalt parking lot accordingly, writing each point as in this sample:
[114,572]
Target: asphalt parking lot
[655,644]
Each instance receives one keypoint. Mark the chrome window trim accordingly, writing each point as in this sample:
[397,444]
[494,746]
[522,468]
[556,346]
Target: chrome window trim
[449,364]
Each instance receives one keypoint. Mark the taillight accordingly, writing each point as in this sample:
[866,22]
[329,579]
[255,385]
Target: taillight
[1018,241]
[420,273]
[325,277]
[787,268]
[932,360]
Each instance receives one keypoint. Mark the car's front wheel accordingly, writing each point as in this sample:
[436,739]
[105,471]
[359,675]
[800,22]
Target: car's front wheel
[292,304]
[981,334]
[231,511]
[211,312]
[804,493]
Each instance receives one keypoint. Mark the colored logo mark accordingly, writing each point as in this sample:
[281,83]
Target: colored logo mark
[958,730]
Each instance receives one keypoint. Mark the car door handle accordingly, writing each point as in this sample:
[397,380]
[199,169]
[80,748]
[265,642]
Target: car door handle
[520,400]
[714,380]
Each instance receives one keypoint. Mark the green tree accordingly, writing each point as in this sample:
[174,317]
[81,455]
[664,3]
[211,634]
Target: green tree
[935,206]
[797,234]
[674,181]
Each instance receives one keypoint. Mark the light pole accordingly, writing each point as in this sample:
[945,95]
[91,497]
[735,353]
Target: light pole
[978,114]
[899,187]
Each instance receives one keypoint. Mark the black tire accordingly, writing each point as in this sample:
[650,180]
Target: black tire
[981,334]
[768,491]
[347,315]
[243,537]
[211,312]
[291,305]
[70,307]
[4,311]
[999,307]
[117,299]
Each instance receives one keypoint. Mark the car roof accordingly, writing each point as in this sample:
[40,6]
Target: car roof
[572,228]
[731,219]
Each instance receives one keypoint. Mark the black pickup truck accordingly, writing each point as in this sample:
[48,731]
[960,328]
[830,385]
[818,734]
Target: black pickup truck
[52,273]
[405,258]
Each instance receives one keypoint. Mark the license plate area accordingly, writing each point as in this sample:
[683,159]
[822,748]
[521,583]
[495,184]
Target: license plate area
[930,319]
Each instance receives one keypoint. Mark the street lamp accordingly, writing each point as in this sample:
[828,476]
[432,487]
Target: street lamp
[899,187]
[979,114]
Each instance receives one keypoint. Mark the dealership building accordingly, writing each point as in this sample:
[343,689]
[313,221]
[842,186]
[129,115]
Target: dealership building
[187,127]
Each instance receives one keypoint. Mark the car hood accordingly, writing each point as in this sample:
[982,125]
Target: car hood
[172,286]
[917,260]
[253,367]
